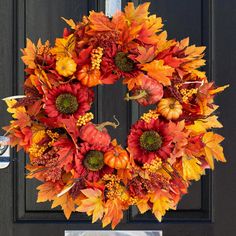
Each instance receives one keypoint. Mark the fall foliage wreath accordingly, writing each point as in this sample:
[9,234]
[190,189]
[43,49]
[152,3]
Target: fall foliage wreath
[81,168]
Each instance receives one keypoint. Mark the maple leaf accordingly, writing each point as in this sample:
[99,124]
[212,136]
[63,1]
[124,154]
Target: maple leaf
[212,148]
[124,174]
[179,136]
[143,205]
[67,204]
[32,50]
[150,28]
[161,203]
[100,22]
[201,126]
[218,90]
[48,191]
[145,54]
[138,14]
[192,169]
[158,71]
[64,46]
[113,213]
[66,151]
[70,22]
[132,82]
[93,204]
[70,126]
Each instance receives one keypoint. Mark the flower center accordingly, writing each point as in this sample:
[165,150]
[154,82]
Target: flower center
[123,62]
[150,141]
[94,160]
[66,103]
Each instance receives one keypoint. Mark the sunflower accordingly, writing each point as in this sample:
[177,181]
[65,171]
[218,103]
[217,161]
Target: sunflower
[67,100]
[90,162]
[115,63]
[147,140]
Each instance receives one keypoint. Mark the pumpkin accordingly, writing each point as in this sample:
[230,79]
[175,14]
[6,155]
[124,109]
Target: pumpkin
[170,108]
[96,134]
[116,158]
[149,92]
[89,77]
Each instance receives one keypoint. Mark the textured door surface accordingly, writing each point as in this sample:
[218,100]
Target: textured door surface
[209,208]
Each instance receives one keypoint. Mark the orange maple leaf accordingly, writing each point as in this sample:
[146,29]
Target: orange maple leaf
[145,54]
[158,71]
[48,191]
[113,213]
[132,82]
[67,204]
[100,22]
[93,204]
[138,14]
[212,148]
[31,51]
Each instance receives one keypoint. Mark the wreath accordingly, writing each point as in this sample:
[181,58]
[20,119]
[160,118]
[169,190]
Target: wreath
[81,168]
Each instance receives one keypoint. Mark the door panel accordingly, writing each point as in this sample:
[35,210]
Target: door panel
[41,19]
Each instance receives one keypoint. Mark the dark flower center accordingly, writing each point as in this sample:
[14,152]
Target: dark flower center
[123,62]
[150,141]
[94,160]
[67,103]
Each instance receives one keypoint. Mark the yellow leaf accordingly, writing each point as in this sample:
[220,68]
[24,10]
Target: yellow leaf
[138,14]
[67,204]
[113,213]
[158,71]
[161,204]
[93,204]
[212,148]
[201,126]
[70,22]
[219,89]
[191,168]
[47,192]
[143,205]
[64,46]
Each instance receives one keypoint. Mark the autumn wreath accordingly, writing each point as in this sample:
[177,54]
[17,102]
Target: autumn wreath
[80,167]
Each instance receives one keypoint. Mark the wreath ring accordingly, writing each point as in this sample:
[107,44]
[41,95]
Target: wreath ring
[81,168]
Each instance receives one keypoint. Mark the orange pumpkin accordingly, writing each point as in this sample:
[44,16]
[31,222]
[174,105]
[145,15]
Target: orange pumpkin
[170,108]
[116,158]
[89,77]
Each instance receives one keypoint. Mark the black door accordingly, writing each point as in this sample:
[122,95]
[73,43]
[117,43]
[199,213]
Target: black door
[210,206]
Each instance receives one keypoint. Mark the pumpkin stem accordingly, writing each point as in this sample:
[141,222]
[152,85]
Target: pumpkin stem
[108,123]
[142,94]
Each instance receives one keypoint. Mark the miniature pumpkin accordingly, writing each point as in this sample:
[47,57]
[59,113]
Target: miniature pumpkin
[170,108]
[116,158]
[97,134]
[149,92]
[89,77]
